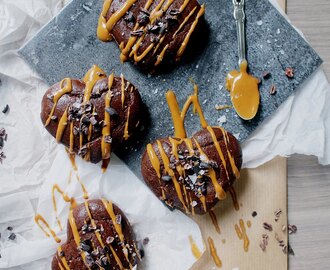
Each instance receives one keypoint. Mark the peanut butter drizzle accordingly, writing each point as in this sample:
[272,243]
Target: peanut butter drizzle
[213,252]
[194,248]
[234,198]
[64,89]
[122,90]
[184,22]
[76,235]
[65,197]
[191,30]
[171,173]
[126,134]
[160,57]
[241,233]
[244,92]
[214,219]
[92,76]
[63,259]
[184,5]
[59,265]
[38,218]
[156,165]
[62,125]
[109,207]
[103,33]
[106,130]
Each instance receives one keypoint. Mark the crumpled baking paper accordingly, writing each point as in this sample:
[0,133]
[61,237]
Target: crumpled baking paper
[35,162]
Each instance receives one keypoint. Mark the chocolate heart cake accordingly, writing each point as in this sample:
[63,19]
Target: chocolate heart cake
[192,174]
[99,237]
[149,31]
[92,116]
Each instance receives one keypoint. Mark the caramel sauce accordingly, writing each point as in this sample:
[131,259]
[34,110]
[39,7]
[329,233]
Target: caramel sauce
[234,198]
[244,92]
[242,235]
[133,44]
[63,259]
[62,125]
[38,218]
[65,88]
[84,190]
[194,248]
[213,252]
[92,76]
[215,221]
[106,130]
[126,134]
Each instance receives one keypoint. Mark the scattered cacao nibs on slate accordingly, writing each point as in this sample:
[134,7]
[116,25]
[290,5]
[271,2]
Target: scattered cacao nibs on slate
[289,72]
[272,90]
[267,226]
[292,229]
[5,109]
[266,75]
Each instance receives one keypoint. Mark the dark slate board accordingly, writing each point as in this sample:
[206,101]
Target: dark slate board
[68,47]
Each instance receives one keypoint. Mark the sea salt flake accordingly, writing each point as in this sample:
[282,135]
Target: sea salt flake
[259,22]
[222,119]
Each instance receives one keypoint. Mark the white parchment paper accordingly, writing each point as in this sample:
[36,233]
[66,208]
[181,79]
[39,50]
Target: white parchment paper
[35,162]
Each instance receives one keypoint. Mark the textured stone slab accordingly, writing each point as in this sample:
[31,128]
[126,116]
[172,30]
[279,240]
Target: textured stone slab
[67,47]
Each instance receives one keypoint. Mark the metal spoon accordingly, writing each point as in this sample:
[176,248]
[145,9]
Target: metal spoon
[243,87]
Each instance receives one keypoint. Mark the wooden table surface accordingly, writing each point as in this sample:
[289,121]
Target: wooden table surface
[309,183]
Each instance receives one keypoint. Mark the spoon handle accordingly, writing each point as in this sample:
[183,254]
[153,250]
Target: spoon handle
[239,16]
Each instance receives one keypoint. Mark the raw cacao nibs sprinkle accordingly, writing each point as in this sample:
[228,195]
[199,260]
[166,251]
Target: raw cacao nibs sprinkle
[272,90]
[292,229]
[277,214]
[267,226]
[289,72]
[3,139]
[264,242]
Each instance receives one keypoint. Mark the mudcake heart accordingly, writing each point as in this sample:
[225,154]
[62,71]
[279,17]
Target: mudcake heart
[99,237]
[92,116]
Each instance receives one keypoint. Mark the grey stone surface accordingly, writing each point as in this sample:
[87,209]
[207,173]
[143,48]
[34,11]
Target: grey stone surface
[67,47]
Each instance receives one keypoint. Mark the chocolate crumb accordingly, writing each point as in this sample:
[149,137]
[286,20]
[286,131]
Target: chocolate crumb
[5,109]
[272,90]
[145,241]
[12,236]
[254,214]
[266,75]
[292,229]
[289,72]
[10,228]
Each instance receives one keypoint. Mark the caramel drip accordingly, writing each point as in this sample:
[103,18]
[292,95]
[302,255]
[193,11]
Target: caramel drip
[97,234]
[231,158]
[244,92]
[213,252]
[72,157]
[62,125]
[65,197]
[171,173]
[64,89]
[220,193]
[63,259]
[71,138]
[191,30]
[203,200]
[103,33]
[215,221]
[126,134]
[241,233]
[194,248]
[156,165]
[184,21]
[249,224]
[217,146]
[156,13]
[76,235]
[234,197]
[60,266]
[38,218]
[122,90]
[184,5]
[106,130]
[179,117]
[138,58]
[92,76]
[109,207]
[119,14]
[158,45]
[160,57]
[85,193]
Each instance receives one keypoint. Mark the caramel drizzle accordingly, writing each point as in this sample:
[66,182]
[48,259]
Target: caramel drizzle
[65,197]
[213,252]
[194,248]
[84,190]
[106,131]
[64,89]
[133,44]
[191,30]
[62,125]
[215,221]
[63,260]
[234,198]
[126,133]
[242,235]
[38,218]
[109,207]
